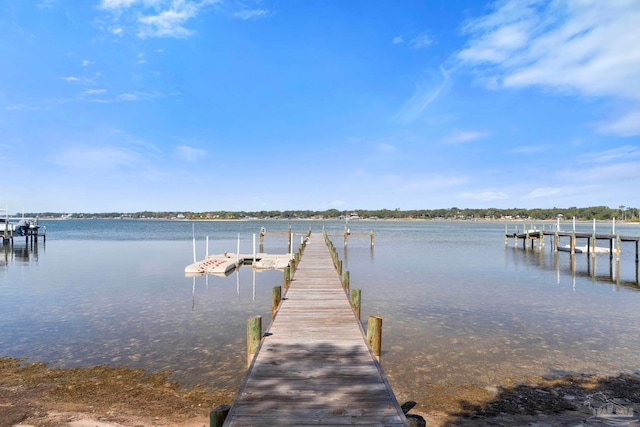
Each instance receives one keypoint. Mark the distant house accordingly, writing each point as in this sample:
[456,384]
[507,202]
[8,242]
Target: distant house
[354,215]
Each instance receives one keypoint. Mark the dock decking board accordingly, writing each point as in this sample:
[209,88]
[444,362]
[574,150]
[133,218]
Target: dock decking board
[313,366]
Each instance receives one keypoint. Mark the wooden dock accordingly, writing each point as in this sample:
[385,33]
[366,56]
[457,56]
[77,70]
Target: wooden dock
[533,235]
[314,366]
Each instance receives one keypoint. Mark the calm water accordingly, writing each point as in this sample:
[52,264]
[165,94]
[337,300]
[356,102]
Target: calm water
[458,306]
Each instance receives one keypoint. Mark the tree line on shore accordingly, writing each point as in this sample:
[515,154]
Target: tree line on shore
[602,213]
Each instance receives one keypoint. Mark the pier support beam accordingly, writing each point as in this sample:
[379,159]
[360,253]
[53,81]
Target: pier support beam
[356,301]
[218,415]
[374,335]
[254,335]
[276,297]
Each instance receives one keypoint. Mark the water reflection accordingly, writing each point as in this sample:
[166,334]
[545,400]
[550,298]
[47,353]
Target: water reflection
[599,268]
[20,253]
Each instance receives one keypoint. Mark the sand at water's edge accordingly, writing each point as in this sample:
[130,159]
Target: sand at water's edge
[103,396]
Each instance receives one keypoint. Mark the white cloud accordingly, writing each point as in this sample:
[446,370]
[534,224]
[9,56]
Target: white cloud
[188,153]
[626,125]
[154,18]
[117,4]
[168,23]
[543,192]
[586,47]
[86,63]
[398,40]
[421,99]
[128,97]
[461,136]
[421,41]
[619,153]
[251,14]
[70,78]
[94,91]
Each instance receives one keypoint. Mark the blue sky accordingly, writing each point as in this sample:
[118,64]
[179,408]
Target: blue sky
[131,105]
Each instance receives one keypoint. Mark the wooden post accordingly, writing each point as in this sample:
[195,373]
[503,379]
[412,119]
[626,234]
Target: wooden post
[374,335]
[345,281]
[618,247]
[593,245]
[372,238]
[573,242]
[287,277]
[276,297]
[289,242]
[610,248]
[356,300]
[506,231]
[218,415]
[339,267]
[416,420]
[254,335]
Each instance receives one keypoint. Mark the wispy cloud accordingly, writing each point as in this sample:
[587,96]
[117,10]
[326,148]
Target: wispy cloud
[123,97]
[70,78]
[529,149]
[421,99]
[464,136]
[154,18]
[585,48]
[387,148]
[246,14]
[543,192]
[623,153]
[91,92]
[397,40]
[626,125]
[189,154]
[420,41]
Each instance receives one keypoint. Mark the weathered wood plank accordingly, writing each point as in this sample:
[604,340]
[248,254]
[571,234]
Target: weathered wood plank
[314,366]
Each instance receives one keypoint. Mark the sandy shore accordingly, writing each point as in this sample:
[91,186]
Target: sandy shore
[103,396]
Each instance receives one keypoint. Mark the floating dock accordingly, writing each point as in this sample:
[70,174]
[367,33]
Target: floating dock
[223,264]
[314,365]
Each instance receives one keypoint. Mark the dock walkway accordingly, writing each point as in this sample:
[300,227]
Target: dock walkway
[314,366]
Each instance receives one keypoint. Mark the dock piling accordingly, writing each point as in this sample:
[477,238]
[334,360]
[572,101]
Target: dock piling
[254,335]
[356,301]
[276,297]
[218,415]
[374,335]
[345,281]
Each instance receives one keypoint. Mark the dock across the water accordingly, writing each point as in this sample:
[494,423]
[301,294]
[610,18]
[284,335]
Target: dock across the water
[531,234]
[314,365]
